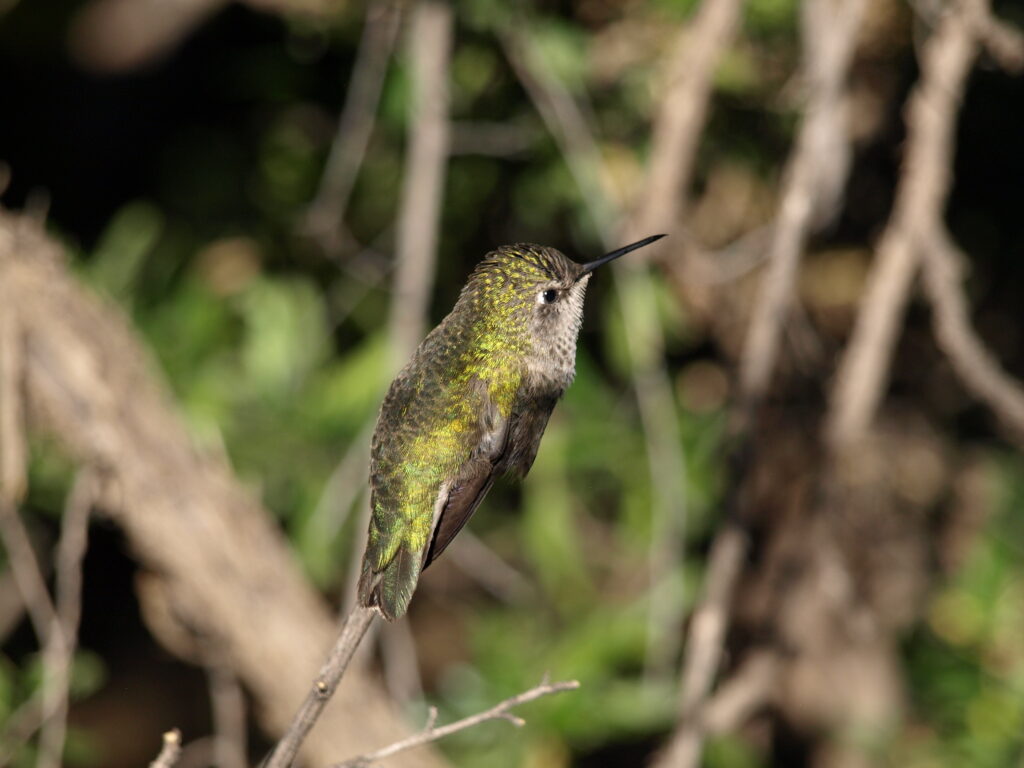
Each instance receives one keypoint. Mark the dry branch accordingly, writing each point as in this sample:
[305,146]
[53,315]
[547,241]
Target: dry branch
[323,688]
[326,212]
[432,733]
[430,37]
[170,751]
[815,175]
[1004,43]
[121,35]
[28,576]
[705,645]
[222,564]
[975,365]
[58,655]
[677,127]
[739,696]
[227,704]
[486,567]
[660,208]
[931,120]
[566,122]
[13,445]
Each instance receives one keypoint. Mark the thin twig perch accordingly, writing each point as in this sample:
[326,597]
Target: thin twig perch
[323,688]
[431,732]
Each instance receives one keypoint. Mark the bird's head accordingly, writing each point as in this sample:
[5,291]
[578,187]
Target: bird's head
[536,289]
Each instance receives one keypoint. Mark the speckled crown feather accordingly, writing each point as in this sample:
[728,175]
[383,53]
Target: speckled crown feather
[523,265]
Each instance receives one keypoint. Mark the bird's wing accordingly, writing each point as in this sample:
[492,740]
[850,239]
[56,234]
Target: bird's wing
[473,479]
[507,445]
[422,496]
[463,499]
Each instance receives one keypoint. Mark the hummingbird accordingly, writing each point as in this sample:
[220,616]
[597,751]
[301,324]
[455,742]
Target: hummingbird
[471,405]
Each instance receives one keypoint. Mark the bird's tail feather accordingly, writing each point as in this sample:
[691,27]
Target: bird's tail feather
[390,589]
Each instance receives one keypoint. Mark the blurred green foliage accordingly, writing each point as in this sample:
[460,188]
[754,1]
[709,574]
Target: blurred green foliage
[966,663]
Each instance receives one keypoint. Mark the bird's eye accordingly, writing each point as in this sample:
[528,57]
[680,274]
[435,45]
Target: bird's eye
[549,296]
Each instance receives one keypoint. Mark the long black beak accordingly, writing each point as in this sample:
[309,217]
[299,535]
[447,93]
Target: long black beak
[590,266]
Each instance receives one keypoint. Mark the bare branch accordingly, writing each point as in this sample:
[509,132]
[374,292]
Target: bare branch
[567,124]
[814,178]
[975,365]
[28,575]
[1004,43]
[12,607]
[430,38]
[705,645]
[13,445]
[19,727]
[433,733]
[661,204]
[683,110]
[326,682]
[325,213]
[749,688]
[861,377]
[25,570]
[170,751]
[228,706]
[815,175]
[343,487]
[58,655]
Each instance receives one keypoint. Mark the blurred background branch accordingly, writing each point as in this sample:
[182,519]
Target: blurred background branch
[429,38]
[813,182]
[324,220]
